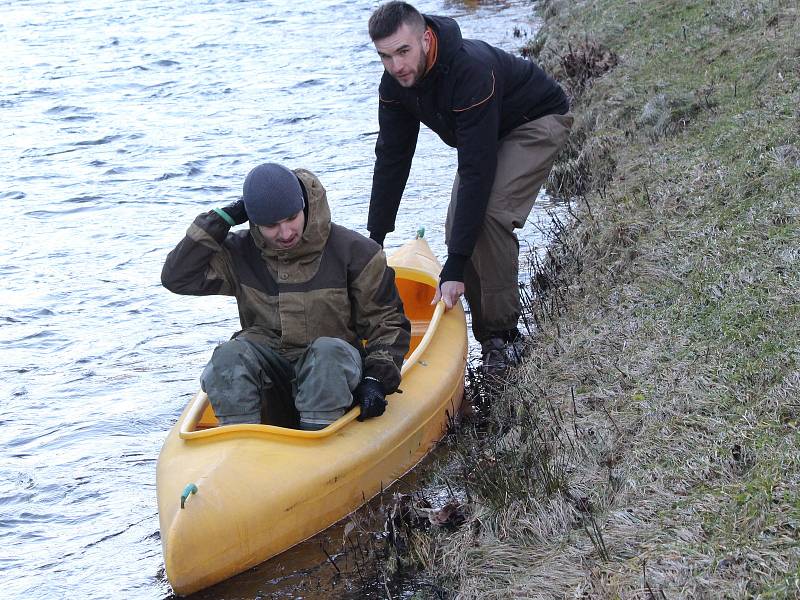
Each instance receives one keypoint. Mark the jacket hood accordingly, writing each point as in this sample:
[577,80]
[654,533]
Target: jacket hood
[305,256]
[449,38]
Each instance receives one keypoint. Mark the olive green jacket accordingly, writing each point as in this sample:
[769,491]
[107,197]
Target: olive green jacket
[334,283]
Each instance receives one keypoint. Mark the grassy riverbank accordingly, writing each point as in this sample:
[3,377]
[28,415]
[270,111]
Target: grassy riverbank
[650,446]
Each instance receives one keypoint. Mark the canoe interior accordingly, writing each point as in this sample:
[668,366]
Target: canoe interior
[417,296]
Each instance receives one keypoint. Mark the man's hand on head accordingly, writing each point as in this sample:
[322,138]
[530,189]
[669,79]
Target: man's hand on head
[377,236]
[235,212]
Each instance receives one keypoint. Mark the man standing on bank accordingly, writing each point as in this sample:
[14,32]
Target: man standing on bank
[507,119]
[308,291]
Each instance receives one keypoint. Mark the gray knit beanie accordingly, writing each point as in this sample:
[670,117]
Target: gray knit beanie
[271,193]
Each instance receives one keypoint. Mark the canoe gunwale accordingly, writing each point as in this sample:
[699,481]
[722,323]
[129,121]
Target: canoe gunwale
[195,410]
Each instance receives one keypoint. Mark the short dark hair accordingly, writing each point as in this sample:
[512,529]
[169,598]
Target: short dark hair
[388,18]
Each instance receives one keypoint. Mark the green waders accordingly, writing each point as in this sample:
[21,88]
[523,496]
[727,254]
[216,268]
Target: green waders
[248,382]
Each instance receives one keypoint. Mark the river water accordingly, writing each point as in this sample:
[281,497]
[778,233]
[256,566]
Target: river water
[120,121]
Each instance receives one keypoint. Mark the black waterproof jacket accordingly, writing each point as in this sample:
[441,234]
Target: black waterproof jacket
[472,96]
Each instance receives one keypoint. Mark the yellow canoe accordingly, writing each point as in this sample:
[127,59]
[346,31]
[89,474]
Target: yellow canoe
[231,497]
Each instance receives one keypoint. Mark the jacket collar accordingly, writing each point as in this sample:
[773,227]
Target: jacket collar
[432,51]
[447,42]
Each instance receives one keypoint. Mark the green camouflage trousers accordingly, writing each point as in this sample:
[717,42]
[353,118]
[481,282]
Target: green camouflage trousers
[249,382]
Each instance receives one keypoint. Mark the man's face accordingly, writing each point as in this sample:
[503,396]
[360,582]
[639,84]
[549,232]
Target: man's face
[285,234]
[404,54]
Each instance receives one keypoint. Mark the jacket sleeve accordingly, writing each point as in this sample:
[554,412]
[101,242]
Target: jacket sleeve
[200,265]
[477,125]
[379,318]
[394,151]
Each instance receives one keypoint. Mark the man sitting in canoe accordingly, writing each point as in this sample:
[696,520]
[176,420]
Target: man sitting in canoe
[308,292]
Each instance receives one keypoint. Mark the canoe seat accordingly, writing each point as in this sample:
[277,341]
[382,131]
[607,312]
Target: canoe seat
[208,418]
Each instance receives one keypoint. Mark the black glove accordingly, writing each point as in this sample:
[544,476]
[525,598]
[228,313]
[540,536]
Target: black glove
[377,236]
[236,211]
[370,397]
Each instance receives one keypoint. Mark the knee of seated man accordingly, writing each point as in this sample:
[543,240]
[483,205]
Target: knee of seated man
[329,346]
[224,356]
[228,381]
[231,362]
[229,353]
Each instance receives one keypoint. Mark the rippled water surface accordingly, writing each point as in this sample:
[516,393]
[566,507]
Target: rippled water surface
[120,122]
